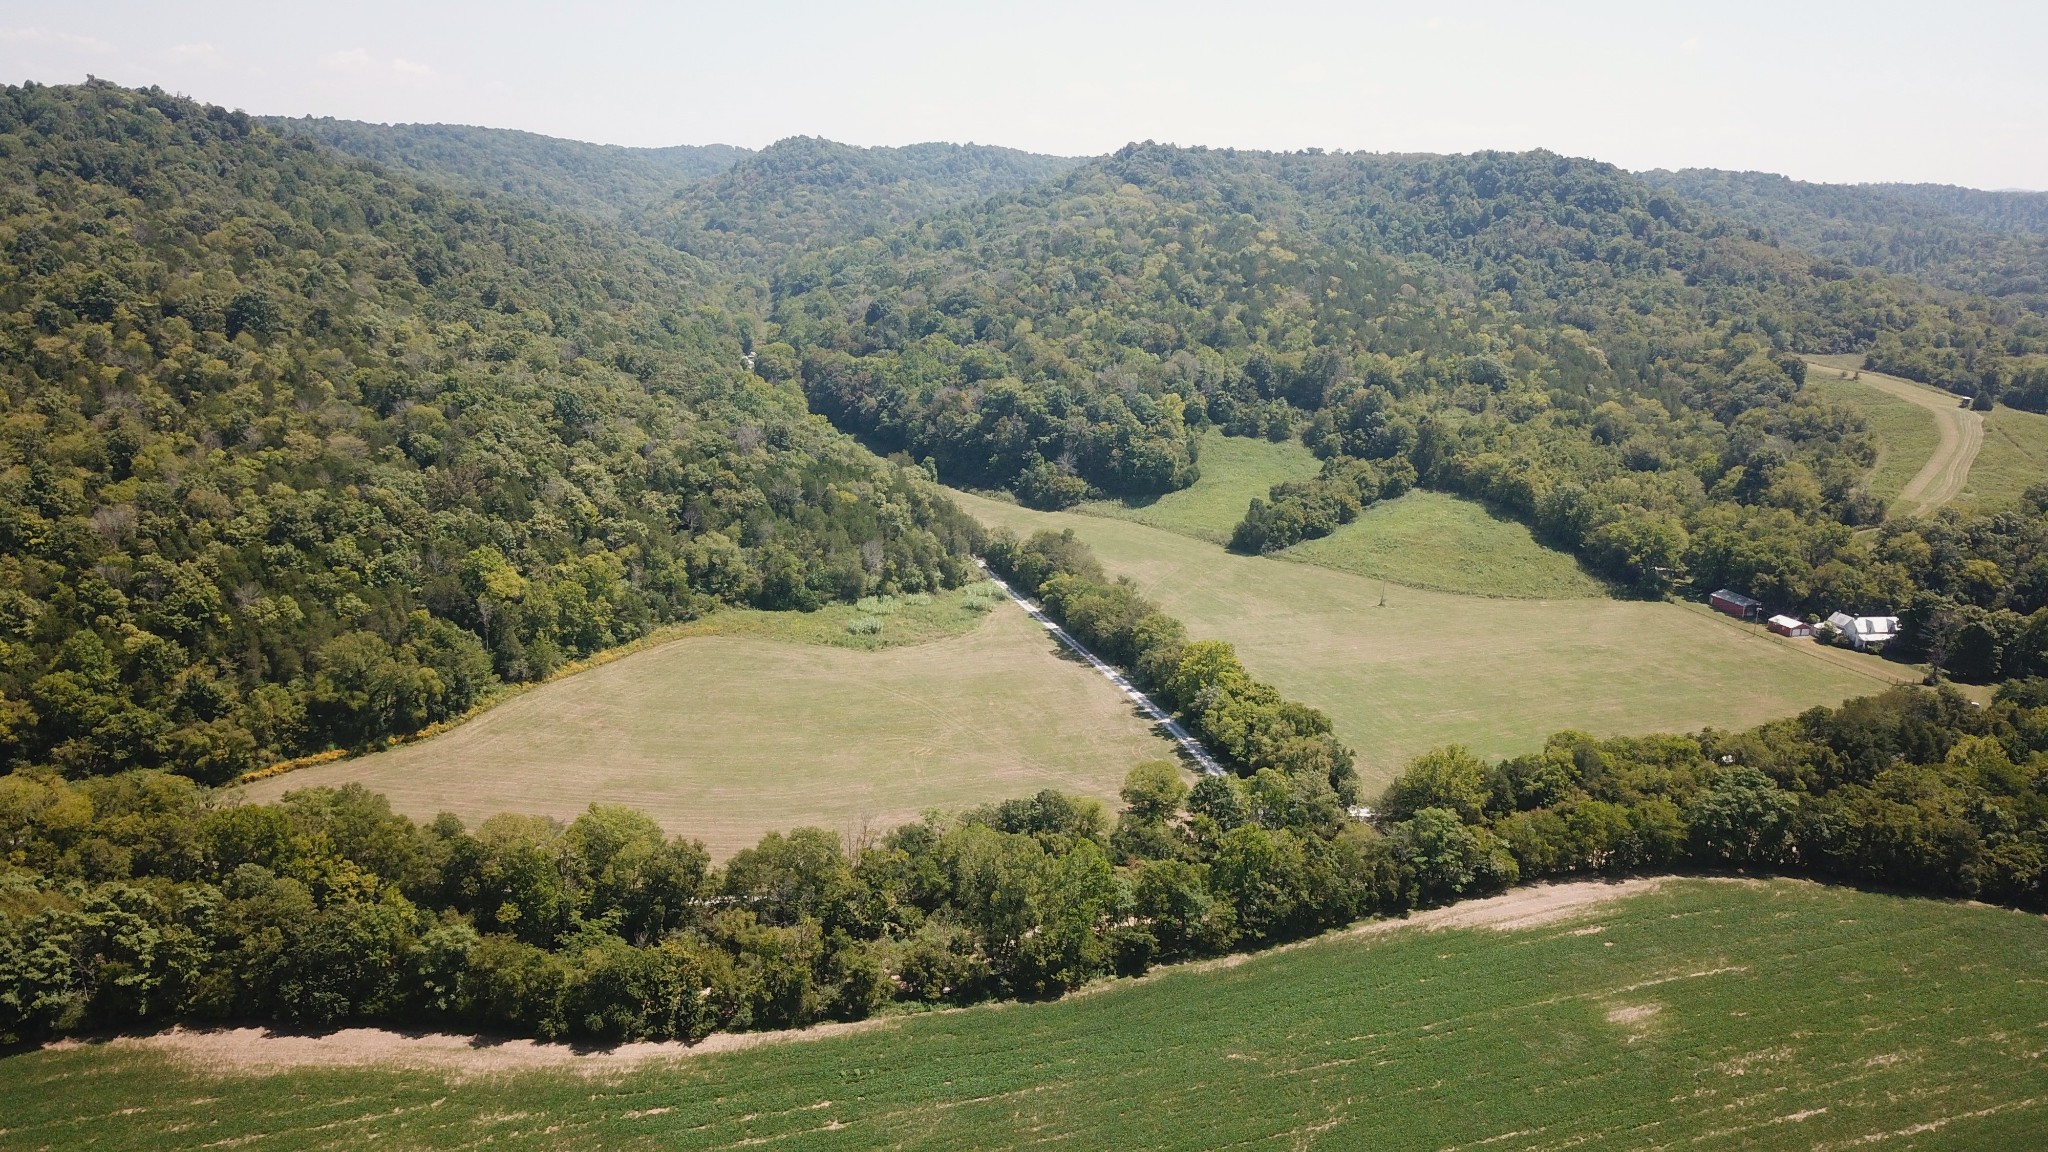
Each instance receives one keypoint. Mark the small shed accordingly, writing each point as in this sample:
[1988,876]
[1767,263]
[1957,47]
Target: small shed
[1736,604]
[1787,626]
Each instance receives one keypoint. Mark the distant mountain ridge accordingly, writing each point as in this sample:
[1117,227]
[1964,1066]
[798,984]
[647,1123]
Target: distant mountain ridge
[1959,239]
[808,192]
[607,180]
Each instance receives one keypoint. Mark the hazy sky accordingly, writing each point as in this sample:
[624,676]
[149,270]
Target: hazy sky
[1955,92]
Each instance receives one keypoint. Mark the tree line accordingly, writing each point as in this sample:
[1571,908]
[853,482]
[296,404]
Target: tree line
[140,898]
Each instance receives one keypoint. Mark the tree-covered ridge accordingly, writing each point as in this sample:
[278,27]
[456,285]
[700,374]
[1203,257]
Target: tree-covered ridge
[1234,282]
[1988,249]
[297,453]
[1954,238]
[807,192]
[603,180]
[2008,210]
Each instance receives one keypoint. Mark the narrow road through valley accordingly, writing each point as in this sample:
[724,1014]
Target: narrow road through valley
[1962,434]
[1173,728]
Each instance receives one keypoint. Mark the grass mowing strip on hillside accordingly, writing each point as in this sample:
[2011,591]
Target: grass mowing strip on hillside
[764,721]
[1427,668]
[1906,433]
[1447,544]
[1235,471]
[1702,1014]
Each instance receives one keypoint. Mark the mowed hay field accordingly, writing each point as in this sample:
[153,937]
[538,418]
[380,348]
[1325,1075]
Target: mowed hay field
[2014,457]
[1698,1014]
[1431,668]
[727,737]
[1906,432]
[2010,446]
[1431,540]
[1235,471]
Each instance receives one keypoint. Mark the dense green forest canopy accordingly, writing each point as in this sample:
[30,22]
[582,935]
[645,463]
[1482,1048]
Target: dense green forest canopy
[600,179]
[2008,210]
[299,454]
[1988,248]
[1994,243]
[805,192]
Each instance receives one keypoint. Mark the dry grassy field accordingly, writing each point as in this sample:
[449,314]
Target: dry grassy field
[727,736]
[1675,1014]
[1428,668]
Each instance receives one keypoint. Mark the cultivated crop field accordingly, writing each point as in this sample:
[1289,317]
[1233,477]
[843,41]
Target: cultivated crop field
[1235,471]
[1431,540]
[1430,668]
[770,721]
[1693,1014]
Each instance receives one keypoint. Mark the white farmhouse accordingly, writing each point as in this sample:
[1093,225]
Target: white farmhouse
[1865,633]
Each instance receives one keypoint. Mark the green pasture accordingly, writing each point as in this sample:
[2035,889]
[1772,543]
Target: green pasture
[1401,669]
[1906,433]
[1431,540]
[2013,458]
[1235,470]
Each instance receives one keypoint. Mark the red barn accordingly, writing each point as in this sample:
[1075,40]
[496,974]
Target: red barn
[1736,604]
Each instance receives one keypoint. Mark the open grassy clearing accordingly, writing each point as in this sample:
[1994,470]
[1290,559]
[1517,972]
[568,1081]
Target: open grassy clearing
[1700,1014]
[730,734]
[1907,435]
[1440,542]
[1423,539]
[1235,470]
[2007,448]
[2013,459]
[1942,476]
[1430,668]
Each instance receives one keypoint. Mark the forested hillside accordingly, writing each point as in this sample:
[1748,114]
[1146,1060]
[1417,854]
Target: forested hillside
[1598,358]
[600,179]
[804,191]
[300,454]
[1991,248]
[2009,210]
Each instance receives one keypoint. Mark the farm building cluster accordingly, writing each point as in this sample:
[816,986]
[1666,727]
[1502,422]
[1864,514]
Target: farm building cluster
[1863,633]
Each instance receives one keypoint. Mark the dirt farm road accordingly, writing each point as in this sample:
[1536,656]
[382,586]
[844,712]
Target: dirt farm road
[1941,479]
